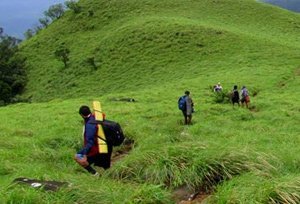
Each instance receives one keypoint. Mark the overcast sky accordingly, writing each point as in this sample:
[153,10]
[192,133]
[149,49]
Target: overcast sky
[293,5]
[16,16]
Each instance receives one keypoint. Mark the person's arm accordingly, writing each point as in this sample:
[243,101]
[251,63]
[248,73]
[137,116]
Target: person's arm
[90,131]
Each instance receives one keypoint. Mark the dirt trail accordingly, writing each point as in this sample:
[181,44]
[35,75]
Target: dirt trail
[123,151]
[183,195]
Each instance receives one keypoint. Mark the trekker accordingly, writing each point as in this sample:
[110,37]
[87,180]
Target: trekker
[245,98]
[218,87]
[89,154]
[235,98]
[186,105]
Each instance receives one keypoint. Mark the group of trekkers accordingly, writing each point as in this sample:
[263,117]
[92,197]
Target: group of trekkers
[235,96]
[93,153]
[186,105]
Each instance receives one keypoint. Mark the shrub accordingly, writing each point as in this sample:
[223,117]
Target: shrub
[44,21]
[222,96]
[55,11]
[91,61]
[73,5]
[29,33]
[62,53]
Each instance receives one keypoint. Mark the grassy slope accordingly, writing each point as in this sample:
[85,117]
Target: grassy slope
[153,41]
[153,51]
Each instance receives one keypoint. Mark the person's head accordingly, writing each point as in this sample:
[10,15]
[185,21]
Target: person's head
[187,93]
[243,87]
[235,87]
[84,111]
[219,83]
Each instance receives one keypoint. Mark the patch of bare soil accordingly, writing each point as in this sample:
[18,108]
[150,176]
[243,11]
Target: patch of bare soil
[122,151]
[41,184]
[123,99]
[183,195]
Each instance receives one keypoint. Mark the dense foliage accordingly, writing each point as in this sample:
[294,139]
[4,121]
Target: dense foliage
[12,72]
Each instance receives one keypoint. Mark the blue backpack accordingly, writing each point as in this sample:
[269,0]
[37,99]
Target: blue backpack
[182,103]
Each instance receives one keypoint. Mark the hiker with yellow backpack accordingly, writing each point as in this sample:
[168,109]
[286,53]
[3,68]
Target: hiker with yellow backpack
[100,136]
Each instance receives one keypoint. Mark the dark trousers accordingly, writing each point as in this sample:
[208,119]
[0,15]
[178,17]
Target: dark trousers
[100,160]
[187,118]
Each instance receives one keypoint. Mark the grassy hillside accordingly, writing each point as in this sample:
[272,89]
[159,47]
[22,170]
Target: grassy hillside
[153,51]
[152,41]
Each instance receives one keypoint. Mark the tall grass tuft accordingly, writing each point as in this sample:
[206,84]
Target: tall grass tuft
[286,193]
[189,164]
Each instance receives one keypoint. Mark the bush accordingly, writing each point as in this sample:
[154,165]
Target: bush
[55,12]
[29,33]
[222,96]
[73,5]
[91,61]
[62,53]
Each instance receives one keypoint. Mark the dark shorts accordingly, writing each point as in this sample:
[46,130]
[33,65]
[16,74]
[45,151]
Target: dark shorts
[235,100]
[185,115]
[245,99]
[101,160]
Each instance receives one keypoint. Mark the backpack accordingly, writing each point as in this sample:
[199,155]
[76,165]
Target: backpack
[182,103]
[235,94]
[244,92]
[113,132]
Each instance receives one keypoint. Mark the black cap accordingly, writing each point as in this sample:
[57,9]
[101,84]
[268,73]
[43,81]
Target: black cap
[84,110]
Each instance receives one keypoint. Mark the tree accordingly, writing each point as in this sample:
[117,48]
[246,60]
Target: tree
[44,22]
[55,11]
[73,5]
[62,53]
[29,34]
[12,73]
[37,28]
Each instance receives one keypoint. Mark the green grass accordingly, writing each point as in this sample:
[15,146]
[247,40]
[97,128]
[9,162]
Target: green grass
[153,51]
[153,41]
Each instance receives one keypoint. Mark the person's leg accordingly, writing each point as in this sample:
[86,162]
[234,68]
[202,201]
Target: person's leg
[185,117]
[81,160]
[242,102]
[89,168]
[236,101]
[104,160]
[247,101]
[189,119]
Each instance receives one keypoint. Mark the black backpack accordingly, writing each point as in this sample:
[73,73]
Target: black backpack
[113,132]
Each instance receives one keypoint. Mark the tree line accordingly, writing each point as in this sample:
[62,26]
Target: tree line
[13,76]
[53,13]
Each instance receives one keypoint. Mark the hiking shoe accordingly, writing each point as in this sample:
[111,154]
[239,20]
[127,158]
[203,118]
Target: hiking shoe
[96,174]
